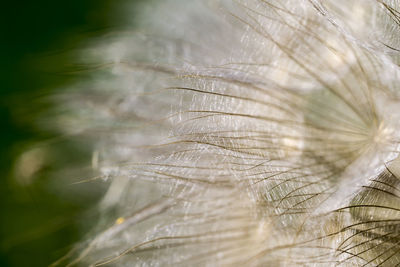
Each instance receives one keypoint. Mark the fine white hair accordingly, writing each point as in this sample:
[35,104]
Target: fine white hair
[243,133]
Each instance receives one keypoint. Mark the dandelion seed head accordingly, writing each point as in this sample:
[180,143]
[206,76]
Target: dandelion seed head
[257,133]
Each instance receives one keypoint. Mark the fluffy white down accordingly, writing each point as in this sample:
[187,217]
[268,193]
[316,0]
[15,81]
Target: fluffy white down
[245,133]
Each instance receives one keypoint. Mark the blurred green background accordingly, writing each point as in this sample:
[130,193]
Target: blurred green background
[38,225]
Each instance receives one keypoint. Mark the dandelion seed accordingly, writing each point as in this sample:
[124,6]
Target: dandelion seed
[256,133]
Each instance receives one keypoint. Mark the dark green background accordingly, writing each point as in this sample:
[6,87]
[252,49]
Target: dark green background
[38,226]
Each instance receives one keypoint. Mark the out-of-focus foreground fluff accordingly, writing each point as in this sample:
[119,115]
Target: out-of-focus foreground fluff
[244,133]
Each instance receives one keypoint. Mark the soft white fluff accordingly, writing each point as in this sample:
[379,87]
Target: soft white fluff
[245,133]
